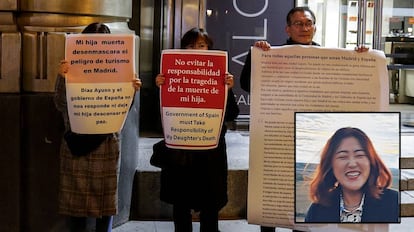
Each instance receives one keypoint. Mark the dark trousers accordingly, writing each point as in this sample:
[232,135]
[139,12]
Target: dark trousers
[267,229]
[79,224]
[183,219]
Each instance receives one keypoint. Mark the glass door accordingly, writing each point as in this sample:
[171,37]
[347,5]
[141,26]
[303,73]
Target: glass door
[397,37]
[337,22]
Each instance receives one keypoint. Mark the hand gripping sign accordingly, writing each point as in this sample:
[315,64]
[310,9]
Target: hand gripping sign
[193,97]
[98,84]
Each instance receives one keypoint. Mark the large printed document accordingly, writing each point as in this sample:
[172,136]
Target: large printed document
[299,78]
[99,86]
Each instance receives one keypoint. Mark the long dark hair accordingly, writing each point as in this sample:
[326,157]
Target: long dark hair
[191,36]
[324,181]
[96,28]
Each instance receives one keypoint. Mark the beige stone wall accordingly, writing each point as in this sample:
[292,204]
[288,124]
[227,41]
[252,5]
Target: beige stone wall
[32,36]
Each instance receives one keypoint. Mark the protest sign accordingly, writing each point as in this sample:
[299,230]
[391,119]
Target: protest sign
[296,78]
[99,86]
[193,98]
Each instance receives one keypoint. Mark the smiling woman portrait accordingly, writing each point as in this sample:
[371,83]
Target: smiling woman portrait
[351,183]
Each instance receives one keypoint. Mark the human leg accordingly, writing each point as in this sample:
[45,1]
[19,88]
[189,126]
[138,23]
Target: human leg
[77,224]
[267,229]
[104,224]
[182,219]
[209,220]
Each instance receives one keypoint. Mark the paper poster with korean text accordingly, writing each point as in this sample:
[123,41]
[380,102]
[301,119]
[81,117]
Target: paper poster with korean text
[193,97]
[99,88]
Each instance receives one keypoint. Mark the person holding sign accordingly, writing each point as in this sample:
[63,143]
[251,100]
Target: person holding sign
[197,179]
[352,183]
[300,27]
[89,170]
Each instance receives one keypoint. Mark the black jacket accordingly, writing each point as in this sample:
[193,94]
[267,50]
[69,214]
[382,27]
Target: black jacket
[198,178]
[383,210]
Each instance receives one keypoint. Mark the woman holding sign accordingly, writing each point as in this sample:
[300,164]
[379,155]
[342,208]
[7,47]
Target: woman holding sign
[89,165]
[196,179]
[352,184]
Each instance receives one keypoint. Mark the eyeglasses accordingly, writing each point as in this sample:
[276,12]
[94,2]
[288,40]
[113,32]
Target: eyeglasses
[299,24]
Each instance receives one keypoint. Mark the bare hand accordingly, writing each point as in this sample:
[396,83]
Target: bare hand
[361,48]
[136,82]
[63,67]
[229,80]
[264,45]
[159,80]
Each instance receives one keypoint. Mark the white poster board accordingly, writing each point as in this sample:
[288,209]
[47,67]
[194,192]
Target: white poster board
[99,86]
[307,79]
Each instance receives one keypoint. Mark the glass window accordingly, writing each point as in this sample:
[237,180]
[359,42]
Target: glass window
[337,22]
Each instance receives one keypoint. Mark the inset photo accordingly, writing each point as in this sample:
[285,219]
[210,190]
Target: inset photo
[347,167]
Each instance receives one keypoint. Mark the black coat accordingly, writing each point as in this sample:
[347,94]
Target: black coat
[198,178]
[383,210]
